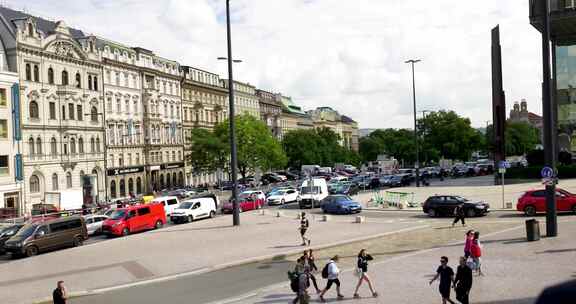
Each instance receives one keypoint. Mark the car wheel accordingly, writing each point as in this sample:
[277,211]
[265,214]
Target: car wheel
[125,231]
[530,211]
[282,202]
[190,219]
[212,214]
[158,224]
[31,251]
[78,241]
[470,213]
[432,213]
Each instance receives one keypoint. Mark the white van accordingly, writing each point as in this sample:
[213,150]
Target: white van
[312,192]
[195,208]
[170,203]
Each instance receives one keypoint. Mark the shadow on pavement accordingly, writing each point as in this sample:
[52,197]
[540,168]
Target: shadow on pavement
[557,251]
[512,301]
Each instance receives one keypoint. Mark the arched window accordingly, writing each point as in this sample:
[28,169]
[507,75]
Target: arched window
[81,178]
[68,180]
[50,76]
[98,144]
[113,189]
[54,181]
[72,146]
[34,184]
[92,145]
[30,30]
[36,73]
[53,147]
[33,109]
[94,114]
[174,180]
[130,186]
[38,146]
[122,188]
[81,145]
[181,179]
[64,77]
[31,147]
[95,86]
[138,185]
[78,80]
[89,82]
[28,72]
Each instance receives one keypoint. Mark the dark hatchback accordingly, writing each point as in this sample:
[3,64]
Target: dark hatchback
[6,233]
[444,205]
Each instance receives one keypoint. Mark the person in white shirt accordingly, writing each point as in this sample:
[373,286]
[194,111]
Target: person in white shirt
[333,273]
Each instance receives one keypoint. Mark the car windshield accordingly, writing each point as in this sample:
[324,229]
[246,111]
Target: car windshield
[9,230]
[342,198]
[278,192]
[27,230]
[118,214]
[310,190]
[186,205]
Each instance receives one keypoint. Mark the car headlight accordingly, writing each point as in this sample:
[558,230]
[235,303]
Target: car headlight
[480,207]
[115,224]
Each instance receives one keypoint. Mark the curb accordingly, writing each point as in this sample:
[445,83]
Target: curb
[82,293]
[420,210]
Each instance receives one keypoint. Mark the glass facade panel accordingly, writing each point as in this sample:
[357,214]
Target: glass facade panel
[566,96]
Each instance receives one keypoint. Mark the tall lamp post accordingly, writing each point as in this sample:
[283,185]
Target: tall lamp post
[417,165]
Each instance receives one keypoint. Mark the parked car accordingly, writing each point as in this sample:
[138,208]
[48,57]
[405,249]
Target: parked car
[6,233]
[534,201]
[169,202]
[270,178]
[246,201]
[385,180]
[348,189]
[400,180]
[225,185]
[289,175]
[94,223]
[340,204]
[444,205]
[47,235]
[194,209]
[132,219]
[280,197]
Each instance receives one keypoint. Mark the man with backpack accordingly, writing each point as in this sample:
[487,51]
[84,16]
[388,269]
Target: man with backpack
[299,282]
[331,272]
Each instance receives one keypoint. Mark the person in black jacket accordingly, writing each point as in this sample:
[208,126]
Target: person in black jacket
[309,262]
[362,271]
[459,215]
[463,281]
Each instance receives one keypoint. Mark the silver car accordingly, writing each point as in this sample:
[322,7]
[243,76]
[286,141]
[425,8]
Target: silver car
[94,223]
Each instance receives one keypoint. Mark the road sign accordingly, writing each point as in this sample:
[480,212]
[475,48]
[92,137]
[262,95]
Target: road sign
[549,181]
[502,170]
[547,173]
[503,164]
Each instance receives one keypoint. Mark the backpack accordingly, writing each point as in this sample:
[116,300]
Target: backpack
[325,270]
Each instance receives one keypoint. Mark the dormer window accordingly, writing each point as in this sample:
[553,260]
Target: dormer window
[91,46]
[78,81]
[30,30]
[64,77]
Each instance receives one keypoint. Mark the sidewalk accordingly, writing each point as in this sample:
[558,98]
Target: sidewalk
[190,248]
[516,271]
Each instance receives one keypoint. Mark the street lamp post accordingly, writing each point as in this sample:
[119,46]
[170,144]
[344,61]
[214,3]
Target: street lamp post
[417,165]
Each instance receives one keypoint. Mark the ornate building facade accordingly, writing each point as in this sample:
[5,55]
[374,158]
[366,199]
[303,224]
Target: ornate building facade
[245,99]
[344,126]
[61,100]
[270,110]
[204,105]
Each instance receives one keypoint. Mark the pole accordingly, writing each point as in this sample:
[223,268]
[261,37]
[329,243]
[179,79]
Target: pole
[417,164]
[233,161]
[503,203]
[549,142]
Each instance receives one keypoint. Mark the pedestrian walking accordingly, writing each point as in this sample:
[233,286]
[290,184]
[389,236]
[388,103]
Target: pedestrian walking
[310,265]
[468,242]
[304,225]
[331,272]
[446,275]
[299,282]
[459,215]
[362,271]
[463,281]
[476,253]
[59,295]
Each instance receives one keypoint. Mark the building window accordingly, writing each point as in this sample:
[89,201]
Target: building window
[127,104]
[137,158]
[79,112]
[94,114]
[50,76]
[130,186]
[36,73]
[92,145]
[64,77]
[81,145]
[95,86]
[4,169]
[117,78]
[138,185]
[135,106]
[81,178]
[31,147]
[63,112]
[122,188]
[109,104]
[53,147]
[28,72]
[33,108]
[113,189]
[2,97]
[120,160]
[118,105]
[52,107]
[71,111]
[78,80]
[34,184]
[54,181]
[89,82]
[68,180]
[30,30]
[72,146]
[38,146]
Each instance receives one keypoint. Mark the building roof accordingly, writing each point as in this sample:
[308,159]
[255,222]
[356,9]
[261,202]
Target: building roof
[42,24]
[289,106]
[347,119]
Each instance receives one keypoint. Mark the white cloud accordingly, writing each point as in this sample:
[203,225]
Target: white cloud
[345,54]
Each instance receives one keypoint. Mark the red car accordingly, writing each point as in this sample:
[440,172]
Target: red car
[132,219]
[534,201]
[246,201]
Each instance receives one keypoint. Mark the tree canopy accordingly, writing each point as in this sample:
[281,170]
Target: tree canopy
[520,138]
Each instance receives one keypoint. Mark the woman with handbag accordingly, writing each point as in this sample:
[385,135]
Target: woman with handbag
[362,272]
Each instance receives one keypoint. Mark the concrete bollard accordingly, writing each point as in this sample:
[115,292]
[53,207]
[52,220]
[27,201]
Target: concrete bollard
[278,214]
[326,218]
[360,219]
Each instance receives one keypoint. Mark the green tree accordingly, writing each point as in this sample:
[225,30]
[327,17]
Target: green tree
[392,142]
[256,146]
[207,151]
[521,138]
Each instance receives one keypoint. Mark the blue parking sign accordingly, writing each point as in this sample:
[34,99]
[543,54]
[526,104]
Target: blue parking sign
[547,172]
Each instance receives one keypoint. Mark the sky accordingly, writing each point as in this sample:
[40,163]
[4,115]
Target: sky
[348,55]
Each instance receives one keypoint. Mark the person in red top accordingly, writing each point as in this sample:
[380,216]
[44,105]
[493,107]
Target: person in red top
[476,253]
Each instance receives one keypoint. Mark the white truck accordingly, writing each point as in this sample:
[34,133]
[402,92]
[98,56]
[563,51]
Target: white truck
[312,192]
[65,199]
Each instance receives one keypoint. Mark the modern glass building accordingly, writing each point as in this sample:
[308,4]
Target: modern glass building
[563,36]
